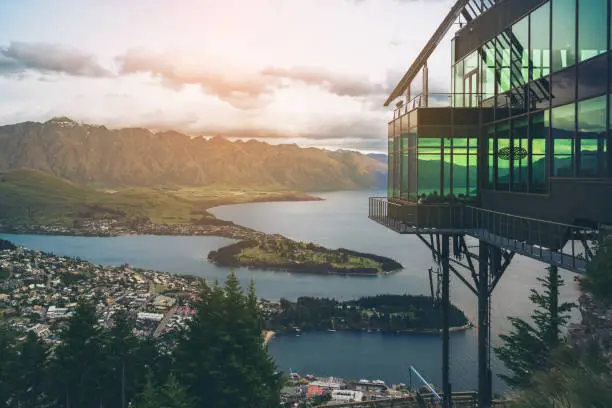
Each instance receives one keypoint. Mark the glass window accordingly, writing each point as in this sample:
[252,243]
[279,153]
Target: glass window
[429,170]
[397,127]
[564,87]
[405,123]
[592,28]
[592,137]
[538,182]
[519,154]
[472,169]
[460,166]
[503,61]
[539,94]
[520,53]
[404,193]
[490,152]
[502,156]
[563,120]
[563,34]
[430,142]
[488,70]
[458,83]
[592,78]
[540,41]
[446,169]
[412,165]
[391,163]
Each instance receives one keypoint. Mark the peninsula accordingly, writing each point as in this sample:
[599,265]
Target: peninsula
[280,253]
[33,202]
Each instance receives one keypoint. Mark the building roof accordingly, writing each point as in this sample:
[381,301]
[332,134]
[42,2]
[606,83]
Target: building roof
[426,52]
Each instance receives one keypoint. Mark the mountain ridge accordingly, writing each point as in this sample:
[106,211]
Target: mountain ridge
[96,155]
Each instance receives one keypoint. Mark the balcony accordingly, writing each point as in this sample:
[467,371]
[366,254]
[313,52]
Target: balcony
[408,217]
[563,245]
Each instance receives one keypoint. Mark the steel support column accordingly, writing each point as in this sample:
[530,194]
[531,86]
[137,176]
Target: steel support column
[446,388]
[484,383]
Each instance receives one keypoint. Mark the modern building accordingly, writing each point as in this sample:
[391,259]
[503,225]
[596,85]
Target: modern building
[516,154]
[347,396]
[525,129]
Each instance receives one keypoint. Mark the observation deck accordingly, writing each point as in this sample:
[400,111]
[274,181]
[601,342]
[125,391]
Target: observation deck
[563,245]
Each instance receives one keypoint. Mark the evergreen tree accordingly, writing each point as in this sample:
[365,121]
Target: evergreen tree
[527,348]
[221,359]
[598,279]
[173,395]
[8,360]
[29,374]
[77,373]
[169,395]
[123,372]
[148,398]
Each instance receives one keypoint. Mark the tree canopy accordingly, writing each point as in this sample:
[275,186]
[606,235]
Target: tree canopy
[219,360]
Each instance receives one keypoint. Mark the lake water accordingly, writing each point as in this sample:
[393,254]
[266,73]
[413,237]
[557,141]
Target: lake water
[338,221]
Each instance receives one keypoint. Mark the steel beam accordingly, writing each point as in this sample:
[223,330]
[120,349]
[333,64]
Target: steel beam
[484,384]
[446,388]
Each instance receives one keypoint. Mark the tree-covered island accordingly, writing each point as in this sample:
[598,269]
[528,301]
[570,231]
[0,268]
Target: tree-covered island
[280,253]
[382,313]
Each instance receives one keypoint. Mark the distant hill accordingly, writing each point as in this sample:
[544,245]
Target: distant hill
[96,155]
[380,157]
[33,197]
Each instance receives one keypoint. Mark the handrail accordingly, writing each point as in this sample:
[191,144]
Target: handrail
[565,245]
[527,218]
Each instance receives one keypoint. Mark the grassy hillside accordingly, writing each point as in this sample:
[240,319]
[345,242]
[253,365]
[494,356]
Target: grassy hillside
[33,197]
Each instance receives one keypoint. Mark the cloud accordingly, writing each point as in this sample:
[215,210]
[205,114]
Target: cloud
[242,92]
[20,57]
[335,83]
[397,1]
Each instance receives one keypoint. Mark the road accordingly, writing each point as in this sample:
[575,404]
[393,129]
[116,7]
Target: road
[164,321]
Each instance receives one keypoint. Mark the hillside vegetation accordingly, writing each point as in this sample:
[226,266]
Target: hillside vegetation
[33,197]
[95,155]
[278,252]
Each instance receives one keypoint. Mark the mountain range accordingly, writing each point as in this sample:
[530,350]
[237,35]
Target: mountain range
[98,156]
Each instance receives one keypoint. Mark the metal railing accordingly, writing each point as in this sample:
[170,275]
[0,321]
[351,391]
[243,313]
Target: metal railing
[437,100]
[564,245]
[556,243]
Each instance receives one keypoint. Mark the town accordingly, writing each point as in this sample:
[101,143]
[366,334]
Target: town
[39,291]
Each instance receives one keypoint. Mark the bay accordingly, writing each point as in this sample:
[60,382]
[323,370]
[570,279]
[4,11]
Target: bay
[340,220]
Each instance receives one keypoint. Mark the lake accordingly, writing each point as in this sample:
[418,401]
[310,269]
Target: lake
[338,221]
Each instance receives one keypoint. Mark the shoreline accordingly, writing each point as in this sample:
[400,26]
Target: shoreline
[109,228]
[268,335]
[454,329]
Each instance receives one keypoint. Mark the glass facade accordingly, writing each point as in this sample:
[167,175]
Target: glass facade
[426,165]
[592,28]
[563,33]
[544,84]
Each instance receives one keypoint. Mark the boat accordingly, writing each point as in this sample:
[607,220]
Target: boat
[333,329]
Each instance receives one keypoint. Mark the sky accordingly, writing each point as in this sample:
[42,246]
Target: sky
[313,72]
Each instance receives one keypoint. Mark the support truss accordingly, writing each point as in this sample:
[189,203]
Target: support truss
[493,262]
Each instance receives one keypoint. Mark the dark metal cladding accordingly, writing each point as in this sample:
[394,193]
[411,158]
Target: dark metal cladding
[495,20]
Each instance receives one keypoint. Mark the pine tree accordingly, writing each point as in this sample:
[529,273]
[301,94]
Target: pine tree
[8,360]
[122,371]
[76,373]
[148,398]
[29,374]
[174,395]
[169,395]
[527,348]
[221,359]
